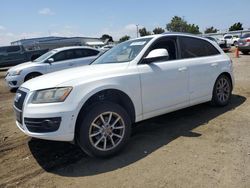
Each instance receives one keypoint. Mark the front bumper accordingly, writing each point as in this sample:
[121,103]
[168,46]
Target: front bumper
[31,120]
[13,81]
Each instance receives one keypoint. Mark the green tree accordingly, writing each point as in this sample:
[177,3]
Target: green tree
[194,29]
[236,27]
[124,38]
[158,30]
[106,36]
[179,24]
[211,30]
[143,32]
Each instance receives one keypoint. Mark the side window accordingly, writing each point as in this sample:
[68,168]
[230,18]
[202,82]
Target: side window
[89,52]
[193,47]
[169,43]
[13,49]
[3,50]
[228,37]
[79,53]
[59,56]
[70,54]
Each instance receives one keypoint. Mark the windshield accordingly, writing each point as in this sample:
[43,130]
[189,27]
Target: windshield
[123,52]
[44,56]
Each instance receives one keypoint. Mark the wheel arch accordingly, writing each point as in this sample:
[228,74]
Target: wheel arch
[30,73]
[112,95]
[228,75]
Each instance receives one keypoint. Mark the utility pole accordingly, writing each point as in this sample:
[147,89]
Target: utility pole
[137,30]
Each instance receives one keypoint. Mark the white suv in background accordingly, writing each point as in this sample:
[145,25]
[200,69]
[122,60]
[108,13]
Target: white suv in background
[96,105]
[231,39]
[54,60]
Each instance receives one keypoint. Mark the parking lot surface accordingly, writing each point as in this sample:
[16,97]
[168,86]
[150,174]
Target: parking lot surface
[201,146]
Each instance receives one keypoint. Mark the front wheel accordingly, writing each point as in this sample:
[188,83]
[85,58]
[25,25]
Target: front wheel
[104,130]
[222,91]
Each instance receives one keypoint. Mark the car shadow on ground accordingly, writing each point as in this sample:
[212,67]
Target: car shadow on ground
[68,160]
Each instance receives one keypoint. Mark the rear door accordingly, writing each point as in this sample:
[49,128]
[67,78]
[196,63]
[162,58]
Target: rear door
[203,61]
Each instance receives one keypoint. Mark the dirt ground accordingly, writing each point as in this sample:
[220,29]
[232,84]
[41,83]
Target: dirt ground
[201,146]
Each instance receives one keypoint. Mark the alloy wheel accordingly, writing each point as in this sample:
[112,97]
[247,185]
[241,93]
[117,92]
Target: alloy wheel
[106,131]
[223,90]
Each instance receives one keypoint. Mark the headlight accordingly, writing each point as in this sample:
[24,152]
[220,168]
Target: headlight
[51,95]
[16,72]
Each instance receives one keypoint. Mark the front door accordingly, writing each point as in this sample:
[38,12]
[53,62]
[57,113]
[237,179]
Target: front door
[164,84]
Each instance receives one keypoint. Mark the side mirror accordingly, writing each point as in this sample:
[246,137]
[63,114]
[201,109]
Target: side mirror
[160,54]
[50,60]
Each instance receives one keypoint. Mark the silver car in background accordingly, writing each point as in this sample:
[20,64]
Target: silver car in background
[244,43]
[54,60]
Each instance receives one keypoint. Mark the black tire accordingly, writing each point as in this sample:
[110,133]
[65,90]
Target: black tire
[222,91]
[31,75]
[110,144]
[235,43]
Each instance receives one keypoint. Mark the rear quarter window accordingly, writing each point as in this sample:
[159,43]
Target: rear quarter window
[194,47]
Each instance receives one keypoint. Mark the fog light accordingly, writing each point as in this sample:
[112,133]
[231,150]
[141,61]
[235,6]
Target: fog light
[42,125]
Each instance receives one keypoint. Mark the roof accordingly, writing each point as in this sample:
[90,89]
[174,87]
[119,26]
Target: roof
[171,34]
[74,47]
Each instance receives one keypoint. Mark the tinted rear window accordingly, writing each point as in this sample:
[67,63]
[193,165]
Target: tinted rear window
[194,47]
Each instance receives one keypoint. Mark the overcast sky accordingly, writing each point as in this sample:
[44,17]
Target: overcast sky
[30,18]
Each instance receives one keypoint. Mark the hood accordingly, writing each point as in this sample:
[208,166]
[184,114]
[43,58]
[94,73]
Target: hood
[22,66]
[67,77]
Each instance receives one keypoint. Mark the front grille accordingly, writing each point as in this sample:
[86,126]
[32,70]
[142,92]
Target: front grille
[19,99]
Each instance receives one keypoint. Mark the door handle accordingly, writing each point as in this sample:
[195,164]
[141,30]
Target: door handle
[214,64]
[182,69]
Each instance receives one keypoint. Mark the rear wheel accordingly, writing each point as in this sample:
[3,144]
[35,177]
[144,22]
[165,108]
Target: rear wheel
[222,91]
[104,130]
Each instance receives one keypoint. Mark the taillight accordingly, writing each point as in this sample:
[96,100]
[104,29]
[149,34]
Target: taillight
[247,40]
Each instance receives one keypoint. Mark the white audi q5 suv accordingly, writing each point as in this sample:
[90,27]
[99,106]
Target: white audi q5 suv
[96,105]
